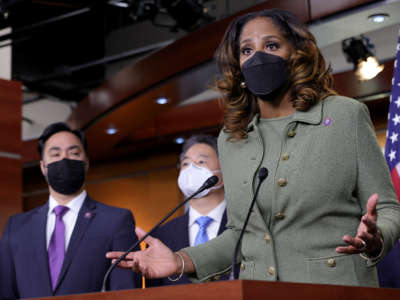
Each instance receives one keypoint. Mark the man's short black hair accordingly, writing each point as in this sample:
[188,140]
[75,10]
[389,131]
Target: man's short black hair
[58,127]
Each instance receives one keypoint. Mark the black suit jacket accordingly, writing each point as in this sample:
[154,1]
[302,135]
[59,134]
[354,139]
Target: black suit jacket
[175,235]
[99,228]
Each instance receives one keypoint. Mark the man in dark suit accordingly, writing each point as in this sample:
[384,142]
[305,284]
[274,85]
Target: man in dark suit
[389,268]
[206,215]
[60,248]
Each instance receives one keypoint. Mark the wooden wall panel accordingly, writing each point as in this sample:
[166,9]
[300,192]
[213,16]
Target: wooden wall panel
[379,110]
[29,151]
[381,136]
[31,201]
[10,150]
[10,116]
[149,196]
[146,185]
[10,188]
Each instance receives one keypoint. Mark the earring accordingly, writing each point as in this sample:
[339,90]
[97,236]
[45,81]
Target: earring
[243,85]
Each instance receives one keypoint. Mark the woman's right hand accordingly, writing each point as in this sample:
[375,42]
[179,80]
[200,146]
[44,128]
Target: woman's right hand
[156,261]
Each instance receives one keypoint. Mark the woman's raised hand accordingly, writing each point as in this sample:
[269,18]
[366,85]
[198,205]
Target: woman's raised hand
[156,261]
[368,239]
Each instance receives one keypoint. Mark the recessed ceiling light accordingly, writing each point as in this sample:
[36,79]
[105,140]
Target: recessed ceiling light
[119,3]
[162,100]
[179,140]
[378,18]
[111,130]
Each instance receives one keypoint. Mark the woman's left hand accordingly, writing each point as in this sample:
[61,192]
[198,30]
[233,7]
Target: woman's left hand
[369,238]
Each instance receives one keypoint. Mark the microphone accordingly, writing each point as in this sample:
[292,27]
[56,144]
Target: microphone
[210,182]
[262,174]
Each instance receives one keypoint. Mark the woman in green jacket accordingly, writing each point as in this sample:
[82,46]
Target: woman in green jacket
[327,212]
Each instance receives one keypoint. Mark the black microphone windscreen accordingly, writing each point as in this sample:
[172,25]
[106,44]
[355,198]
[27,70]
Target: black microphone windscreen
[263,173]
[211,181]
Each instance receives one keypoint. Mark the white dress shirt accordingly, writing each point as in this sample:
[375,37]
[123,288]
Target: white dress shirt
[69,217]
[212,230]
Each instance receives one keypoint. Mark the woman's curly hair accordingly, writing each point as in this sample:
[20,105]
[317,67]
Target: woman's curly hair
[310,79]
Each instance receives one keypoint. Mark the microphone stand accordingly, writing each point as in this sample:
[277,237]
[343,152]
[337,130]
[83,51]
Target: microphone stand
[262,174]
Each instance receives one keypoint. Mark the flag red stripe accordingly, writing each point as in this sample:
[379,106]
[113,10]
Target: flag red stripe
[396,182]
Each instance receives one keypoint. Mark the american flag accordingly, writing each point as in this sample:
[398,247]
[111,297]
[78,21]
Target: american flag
[389,267]
[392,147]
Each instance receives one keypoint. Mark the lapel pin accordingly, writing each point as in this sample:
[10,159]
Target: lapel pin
[328,122]
[88,215]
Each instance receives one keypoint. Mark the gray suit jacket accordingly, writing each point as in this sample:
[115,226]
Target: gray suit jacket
[333,164]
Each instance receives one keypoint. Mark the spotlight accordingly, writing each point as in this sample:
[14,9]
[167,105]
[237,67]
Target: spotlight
[359,52]
[368,69]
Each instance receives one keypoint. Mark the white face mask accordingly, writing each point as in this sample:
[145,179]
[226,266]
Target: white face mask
[192,178]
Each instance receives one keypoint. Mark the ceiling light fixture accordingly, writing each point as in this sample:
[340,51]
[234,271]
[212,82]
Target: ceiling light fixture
[119,3]
[359,51]
[162,100]
[111,130]
[378,18]
[179,140]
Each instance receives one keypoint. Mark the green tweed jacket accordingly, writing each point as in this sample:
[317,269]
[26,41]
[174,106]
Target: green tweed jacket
[330,165]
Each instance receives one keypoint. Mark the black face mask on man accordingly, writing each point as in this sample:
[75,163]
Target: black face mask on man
[66,176]
[265,74]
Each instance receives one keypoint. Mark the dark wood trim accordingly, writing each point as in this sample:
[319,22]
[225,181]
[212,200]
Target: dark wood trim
[322,8]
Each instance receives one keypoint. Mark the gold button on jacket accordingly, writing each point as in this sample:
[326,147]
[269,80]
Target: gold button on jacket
[271,271]
[331,262]
[282,181]
[267,237]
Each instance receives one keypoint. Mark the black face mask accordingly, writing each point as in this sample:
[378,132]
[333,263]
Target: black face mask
[66,176]
[265,75]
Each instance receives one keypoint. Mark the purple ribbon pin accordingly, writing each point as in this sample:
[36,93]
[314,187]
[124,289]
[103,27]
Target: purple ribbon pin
[328,122]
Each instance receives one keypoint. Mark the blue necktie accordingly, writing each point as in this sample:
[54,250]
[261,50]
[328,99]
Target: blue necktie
[202,236]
